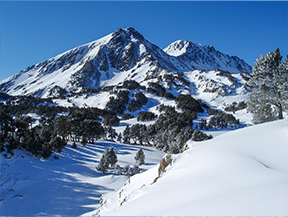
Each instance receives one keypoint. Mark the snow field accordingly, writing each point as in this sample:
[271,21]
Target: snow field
[243,172]
[69,186]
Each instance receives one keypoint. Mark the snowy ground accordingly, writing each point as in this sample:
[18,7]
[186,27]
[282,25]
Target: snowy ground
[68,186]
[243,172]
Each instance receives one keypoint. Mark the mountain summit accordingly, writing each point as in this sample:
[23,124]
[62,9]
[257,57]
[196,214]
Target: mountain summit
[198,56]
[122,55]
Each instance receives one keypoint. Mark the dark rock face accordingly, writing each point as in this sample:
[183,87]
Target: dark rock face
[104,65]
[88,77]
[128,57]
[57,91]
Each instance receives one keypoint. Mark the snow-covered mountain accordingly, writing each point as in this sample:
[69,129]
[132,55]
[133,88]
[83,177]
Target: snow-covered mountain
[198,56]
[122,55]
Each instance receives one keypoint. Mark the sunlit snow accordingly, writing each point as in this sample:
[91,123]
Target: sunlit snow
[243,172]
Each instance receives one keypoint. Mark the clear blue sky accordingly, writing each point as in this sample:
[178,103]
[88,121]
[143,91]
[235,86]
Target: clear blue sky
[31,32]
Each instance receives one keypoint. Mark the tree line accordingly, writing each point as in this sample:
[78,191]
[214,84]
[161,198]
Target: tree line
[52,132]
[171,129]
[57,124]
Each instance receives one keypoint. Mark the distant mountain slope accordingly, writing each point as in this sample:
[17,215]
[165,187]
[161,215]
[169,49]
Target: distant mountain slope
[242,173]
[122,55]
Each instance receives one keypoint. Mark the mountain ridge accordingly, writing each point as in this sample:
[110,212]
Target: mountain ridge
[122,55]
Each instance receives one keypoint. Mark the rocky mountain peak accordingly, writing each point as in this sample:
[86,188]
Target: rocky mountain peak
[204,57]
[177,48]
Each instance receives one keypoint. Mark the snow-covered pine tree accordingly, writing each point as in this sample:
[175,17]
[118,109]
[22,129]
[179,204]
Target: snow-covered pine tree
[130,171]
[126,169]
[140,157]
[135,169]
[200,136]
[270,88]
[117,170]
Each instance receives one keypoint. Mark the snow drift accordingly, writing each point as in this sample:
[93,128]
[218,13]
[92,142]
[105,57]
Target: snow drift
[243,172]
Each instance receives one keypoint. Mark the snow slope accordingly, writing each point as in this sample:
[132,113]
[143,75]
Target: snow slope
[69,186]
[243,172]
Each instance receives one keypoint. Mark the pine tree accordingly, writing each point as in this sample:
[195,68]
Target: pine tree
[63,126]
[57,143]
[112,157]
[83,140]
[103,164]
[119,138]
[140,157]
[74,145]
[126,135]
[22,124]
[270,88]
[111,133]
[137,133]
